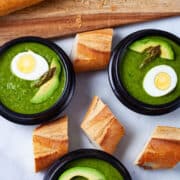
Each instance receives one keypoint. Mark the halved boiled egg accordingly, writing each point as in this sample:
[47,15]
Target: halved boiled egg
[29,65]
[160,80]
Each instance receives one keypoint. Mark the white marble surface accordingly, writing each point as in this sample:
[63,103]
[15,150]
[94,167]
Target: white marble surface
[16,156]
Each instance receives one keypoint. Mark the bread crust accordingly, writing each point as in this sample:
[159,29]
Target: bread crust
[9,6]
[92,50]
[102,127]
[162,150]
[50,142]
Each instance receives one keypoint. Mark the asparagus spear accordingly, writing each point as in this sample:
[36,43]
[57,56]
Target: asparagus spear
[44,78]
[151,54]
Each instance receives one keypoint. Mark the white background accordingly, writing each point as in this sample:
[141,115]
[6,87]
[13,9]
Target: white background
[16,155]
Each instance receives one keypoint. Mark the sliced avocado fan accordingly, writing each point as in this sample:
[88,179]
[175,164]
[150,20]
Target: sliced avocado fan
[47,89]
[145,43]
[84,172]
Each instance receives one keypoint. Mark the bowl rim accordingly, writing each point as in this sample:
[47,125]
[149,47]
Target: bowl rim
[117,86]
[61,103]
[60,164]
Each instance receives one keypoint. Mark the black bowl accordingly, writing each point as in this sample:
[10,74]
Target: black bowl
[61,104]
[117,85]
[59,166]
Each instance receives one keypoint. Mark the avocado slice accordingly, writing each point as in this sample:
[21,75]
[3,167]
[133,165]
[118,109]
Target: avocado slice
[84,172]
[142,44]
[48,88]
[56,64]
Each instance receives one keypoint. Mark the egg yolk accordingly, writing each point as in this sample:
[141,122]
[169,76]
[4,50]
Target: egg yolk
[26,63]
[162,81]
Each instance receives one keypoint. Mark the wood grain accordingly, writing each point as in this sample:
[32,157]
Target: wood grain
[56,18]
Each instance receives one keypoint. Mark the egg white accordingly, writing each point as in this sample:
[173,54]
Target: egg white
[149,85]
[41,66]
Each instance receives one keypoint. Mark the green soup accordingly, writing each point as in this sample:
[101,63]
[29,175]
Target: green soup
[132,77]
[105,168]
[16,93]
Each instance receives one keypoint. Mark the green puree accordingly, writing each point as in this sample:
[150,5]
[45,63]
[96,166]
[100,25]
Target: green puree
[16,93]
[105,168]
[132,77]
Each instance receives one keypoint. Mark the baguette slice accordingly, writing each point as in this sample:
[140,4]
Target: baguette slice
[102,127]
[91,50]
[44,156]
[9,6]
[162,150]
[50,142]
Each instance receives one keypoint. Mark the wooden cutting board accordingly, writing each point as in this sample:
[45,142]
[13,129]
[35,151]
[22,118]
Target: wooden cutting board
[56,18]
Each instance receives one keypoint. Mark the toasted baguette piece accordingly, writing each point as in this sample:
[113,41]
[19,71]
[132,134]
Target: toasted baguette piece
[102,127]
[162,150]
[91,50]
[9,6]
[44,156]
[50,142]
